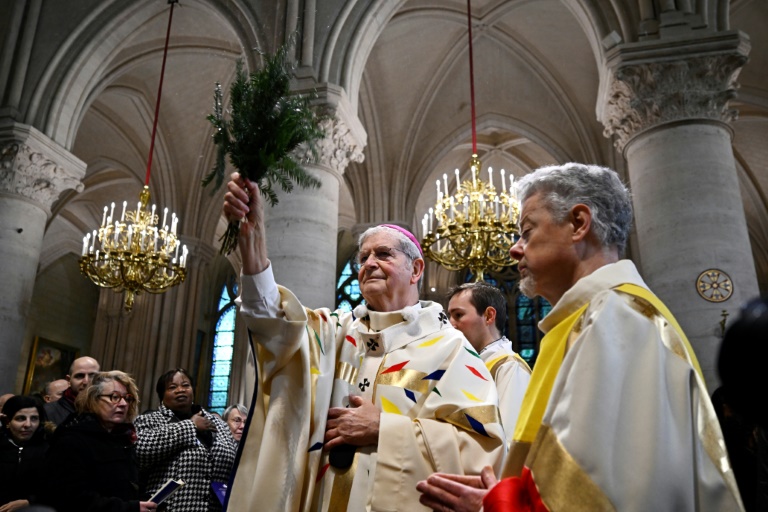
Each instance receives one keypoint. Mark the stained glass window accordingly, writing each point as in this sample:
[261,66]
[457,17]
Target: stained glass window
[348,294]
[223,348]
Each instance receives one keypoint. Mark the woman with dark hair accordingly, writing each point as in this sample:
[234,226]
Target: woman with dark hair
[182,441]
[91,464]
[22,451]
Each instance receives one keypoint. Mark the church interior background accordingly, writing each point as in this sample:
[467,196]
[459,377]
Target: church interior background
[673,94]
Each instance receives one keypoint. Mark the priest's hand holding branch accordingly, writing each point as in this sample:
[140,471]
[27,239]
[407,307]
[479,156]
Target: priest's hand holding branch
[357,425]
[243,202]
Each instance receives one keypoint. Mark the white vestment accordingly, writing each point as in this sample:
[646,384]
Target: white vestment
[438,403]
[511,374]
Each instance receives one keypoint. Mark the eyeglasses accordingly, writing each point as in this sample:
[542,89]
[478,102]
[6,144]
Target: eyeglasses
[116,397]
[380,254]
[237,421]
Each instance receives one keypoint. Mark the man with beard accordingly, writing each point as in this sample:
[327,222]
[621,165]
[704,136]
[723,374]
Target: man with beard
[617,416]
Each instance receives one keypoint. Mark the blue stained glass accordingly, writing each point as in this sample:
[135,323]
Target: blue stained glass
[227,320]
[221,368]
[345,306]
[218,399]
[225,339]
[223,349]
[222,353]
[220,383]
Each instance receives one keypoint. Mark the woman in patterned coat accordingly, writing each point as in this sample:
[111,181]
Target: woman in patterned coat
[184,442]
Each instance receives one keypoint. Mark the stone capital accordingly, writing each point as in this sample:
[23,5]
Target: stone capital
[650,84]
[35,167]
[345,136]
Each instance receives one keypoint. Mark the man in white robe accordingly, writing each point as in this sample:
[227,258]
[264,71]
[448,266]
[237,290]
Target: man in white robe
[616,416]
[479,311]
[352,410]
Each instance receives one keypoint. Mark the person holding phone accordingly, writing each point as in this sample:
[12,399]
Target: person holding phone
[181,441]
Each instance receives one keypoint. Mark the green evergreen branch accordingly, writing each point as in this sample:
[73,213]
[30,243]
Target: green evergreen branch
[266,125]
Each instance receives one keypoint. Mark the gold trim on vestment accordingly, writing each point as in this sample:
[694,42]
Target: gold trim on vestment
[342,486]
[515,459]
[346,372]
[485,414]
[561,481]
[407,379]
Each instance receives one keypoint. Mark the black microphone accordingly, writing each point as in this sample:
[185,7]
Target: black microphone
[341,457]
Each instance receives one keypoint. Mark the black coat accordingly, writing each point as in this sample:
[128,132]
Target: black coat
[21,469]
[91,469]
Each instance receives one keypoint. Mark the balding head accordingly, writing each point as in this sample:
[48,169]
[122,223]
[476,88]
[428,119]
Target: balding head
[54,390]
[3,399]
[81,373]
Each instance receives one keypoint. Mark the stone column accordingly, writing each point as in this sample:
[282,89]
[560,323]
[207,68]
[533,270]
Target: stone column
[668,111]
[34,171]
[302,230]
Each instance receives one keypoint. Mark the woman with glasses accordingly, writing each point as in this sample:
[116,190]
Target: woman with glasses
[91,464]
[23,446]
[234,416]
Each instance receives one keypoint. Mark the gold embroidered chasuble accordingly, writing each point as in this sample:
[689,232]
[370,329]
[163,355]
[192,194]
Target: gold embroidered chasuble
[438,401]
[617,415]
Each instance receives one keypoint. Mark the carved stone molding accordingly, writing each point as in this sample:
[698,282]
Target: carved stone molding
[337,148]
[36,168]
[644,95]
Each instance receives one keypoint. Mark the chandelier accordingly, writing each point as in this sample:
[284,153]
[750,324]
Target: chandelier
[476,226]
[134,253]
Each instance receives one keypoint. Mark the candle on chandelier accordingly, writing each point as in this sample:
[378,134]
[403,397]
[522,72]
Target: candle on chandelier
[94,239]
[104,217]
[117,232]
[445,181]
[473,176]
[85,245]
[152,218]
[176,255]
[503,183]
[111,213]
[458,180]
[453,209]
[431,217]
[424,224]
[122,217]
[496,205]
[165,215]
[490,176]
[130,237]
[184,257]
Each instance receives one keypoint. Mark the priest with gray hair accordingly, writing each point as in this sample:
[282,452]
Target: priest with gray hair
[352,409]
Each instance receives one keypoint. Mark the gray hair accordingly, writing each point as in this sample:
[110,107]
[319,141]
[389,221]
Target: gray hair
[405,245]
[564,186]
[240,407]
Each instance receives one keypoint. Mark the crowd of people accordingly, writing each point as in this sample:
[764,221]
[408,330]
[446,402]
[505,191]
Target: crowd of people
[88,449]
[402,405]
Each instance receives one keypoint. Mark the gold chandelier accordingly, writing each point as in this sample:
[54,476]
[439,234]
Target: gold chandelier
[136,254]
[476,226]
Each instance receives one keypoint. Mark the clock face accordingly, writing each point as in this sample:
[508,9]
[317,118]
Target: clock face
[714,285]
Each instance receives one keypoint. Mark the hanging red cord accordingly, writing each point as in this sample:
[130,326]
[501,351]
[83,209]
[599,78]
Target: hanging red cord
[471,78]
[159,92]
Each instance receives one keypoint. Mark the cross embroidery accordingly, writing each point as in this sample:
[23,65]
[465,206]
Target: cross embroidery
[443,317]
[372,344]
[364,385]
